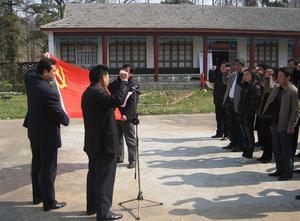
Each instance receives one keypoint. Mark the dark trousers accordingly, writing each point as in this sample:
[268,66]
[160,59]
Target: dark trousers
[100,183]
[220,118]
[263,127]
[44,168]
[295,138]
[127,131]
[35,172]
[246,128]
[234,126]
[259,132]
[283,151]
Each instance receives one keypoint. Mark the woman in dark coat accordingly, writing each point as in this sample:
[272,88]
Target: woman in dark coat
[247,106]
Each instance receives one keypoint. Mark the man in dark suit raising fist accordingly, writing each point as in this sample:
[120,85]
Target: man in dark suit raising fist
[43,120]
[101,139]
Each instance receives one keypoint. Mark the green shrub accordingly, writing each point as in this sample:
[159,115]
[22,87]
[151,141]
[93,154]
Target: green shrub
[5,86]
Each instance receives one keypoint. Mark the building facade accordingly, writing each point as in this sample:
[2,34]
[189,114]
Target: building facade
[173,39]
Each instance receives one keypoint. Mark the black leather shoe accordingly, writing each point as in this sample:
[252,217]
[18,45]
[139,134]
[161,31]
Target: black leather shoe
[235,149]
[260,159]
[297,171]
[36,201]
[110,216]
[90,213]
[216,136]
[56,205]
[297,197]
[228,147]
[285,178]
[224,138]
[266,161]
[120,161]
[274,174]
[131,165]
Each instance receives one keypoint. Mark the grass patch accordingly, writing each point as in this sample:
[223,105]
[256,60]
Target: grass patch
[176,102]
[13,108]
[151,103]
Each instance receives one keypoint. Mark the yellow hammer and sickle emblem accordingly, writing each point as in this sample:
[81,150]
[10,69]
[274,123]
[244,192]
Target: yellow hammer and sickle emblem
[60,75]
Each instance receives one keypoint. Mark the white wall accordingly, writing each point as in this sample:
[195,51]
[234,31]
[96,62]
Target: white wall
[150,52]
[100,57]
[198,48]
[242,47]
[282,51]
[51,46]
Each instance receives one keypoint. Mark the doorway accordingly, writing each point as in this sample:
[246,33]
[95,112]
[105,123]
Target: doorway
[220,56]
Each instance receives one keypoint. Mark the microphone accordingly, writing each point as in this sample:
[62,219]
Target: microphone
[136,89]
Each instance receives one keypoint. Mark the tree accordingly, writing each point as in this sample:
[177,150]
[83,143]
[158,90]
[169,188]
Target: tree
[276,3]
[177,2]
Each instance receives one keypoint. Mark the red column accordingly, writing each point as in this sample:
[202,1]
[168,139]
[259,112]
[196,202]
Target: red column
[205,52]
[252,52]
[296,49]
[155,43]
[104,49]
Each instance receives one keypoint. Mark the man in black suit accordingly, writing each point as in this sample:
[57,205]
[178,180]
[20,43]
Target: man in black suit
[219,78]
[231,99]
[101,141]
[126,126]
[43,120]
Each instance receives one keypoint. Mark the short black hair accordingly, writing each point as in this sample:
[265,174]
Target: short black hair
[128,66]
[241,61]
[291,59]
[226,63]
[44,63]
[253,74]
[97,72]
[264,66]
[285,71]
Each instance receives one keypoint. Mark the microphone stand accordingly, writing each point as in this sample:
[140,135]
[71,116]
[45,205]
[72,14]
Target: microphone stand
[137,175]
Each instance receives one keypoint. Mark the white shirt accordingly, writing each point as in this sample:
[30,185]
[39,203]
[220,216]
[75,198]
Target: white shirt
[232,89]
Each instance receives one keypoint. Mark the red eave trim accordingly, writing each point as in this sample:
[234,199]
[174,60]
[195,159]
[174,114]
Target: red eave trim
[170,31]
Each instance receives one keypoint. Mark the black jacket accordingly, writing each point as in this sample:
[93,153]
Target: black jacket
[250,97]
[45,114]
[101,132]
[296,80]
[219,86]
[29,80]
[130,109]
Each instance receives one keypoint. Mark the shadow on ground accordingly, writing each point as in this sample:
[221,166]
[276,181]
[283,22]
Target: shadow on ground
[16,177]
[224,207]
[183,151]
[176,140]
[242,178]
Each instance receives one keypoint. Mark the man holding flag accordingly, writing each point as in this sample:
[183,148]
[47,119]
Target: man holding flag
[101,141]
[43,119]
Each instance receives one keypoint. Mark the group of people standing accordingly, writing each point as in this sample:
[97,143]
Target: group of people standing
[109,112]
[265,100]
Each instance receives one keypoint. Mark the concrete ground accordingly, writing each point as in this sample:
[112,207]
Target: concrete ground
[181,166]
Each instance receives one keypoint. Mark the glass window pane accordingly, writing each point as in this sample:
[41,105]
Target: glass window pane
[174,65]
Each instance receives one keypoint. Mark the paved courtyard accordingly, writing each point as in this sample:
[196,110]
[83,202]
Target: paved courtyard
[181,166]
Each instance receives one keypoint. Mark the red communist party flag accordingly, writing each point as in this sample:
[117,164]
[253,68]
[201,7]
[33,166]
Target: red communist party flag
[71,82]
